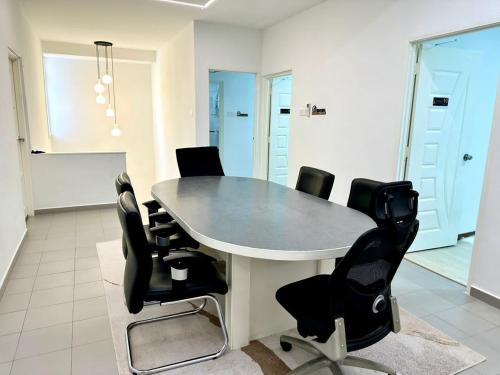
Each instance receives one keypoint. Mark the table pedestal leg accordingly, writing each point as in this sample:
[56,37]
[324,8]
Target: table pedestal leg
[238,301]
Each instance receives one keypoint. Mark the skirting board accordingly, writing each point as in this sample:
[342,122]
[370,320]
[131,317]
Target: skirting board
[74,208]
[485,297]
[3,283]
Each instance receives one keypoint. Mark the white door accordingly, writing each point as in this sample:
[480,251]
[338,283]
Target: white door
[281,93]
[441,94]
[18,109]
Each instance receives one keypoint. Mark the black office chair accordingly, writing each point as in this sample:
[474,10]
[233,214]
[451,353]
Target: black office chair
[149,281]
[199,161]
[389,204]
[315,182]
[350,309]
[162,233]
[123,183]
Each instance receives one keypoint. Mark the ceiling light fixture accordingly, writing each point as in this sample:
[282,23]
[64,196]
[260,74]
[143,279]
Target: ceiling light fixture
[201,4]
[106,82]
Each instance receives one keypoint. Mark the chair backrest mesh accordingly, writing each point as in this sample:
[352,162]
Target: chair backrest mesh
[199,161]
[365,274]
[139,263]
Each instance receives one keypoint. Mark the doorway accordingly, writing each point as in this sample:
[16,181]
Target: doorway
[22,135]
[279,128]
[232,115]
[455,90]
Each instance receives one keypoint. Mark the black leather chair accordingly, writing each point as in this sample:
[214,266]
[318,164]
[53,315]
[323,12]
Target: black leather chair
[315,182]
[199,161]
[123,183]
[162,233]
[350,309]
[148,281]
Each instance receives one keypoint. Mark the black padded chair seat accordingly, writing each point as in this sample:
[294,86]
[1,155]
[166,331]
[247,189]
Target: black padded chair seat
[203,278]
[312,310]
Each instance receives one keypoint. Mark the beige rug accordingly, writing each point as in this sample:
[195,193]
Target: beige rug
[419,349]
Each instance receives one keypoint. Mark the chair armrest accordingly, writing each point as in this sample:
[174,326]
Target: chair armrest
[152,205]
[164,230]
[161,217]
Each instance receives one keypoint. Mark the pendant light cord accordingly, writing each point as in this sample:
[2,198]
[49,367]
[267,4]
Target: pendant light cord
[114,80]
[98,65]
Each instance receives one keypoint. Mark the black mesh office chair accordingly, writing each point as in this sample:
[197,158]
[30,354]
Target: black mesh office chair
[350,309]
[315,182]
[389,204]
[199,161]
[147,280]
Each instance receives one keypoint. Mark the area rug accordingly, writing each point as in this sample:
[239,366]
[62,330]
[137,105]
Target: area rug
[419,349]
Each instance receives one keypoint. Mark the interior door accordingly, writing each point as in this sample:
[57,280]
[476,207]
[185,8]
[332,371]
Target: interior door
[281,92]
[17,108]
[438,116]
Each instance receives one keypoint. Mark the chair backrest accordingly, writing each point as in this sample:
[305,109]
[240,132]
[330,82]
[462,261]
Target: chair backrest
[391,204]
[315,182]
[199,161]
[139,263]
[361,285]
[123,183]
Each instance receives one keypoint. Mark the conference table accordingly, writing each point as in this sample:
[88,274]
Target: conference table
[271,235]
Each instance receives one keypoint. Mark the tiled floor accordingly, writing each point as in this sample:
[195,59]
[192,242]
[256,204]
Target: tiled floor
[452,262]
[53,316]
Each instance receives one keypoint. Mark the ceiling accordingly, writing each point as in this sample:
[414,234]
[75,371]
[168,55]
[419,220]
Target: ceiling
[146,24]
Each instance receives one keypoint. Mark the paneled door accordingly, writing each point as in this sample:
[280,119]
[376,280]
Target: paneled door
[281,92]
[434,155]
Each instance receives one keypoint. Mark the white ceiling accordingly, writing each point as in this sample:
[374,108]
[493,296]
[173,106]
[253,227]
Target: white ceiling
[146,24]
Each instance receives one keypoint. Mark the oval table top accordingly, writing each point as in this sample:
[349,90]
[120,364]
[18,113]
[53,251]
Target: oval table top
[260,219]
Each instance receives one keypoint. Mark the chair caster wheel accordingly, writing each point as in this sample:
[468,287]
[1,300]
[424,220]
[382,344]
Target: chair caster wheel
[285,346]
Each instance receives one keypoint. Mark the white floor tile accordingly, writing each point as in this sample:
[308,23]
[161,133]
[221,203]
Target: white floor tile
[14,302]
[90,308]
[54,363]
[53,296]
[91,330]
[47,316]
[96,359]
[44,340]
[54,280]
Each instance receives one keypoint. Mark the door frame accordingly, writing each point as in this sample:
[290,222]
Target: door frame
[409,98]
[256,109]
[22,122]
[410,91]
[261,146]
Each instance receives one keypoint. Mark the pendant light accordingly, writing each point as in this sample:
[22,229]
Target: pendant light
[106,83]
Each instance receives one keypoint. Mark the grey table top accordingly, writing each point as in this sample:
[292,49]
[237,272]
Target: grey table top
[260,219]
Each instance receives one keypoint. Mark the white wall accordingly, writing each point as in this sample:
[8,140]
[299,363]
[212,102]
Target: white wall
[16,33]
[484,273]
[236,134]
[220,47]
[352,57]
[75,179]
[174,93]
[78,124]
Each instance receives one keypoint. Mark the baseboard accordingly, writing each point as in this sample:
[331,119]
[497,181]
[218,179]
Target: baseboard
[74,208]
[3,283]
[485,297]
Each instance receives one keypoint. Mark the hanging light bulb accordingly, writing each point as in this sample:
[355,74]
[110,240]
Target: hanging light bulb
[99,87]
[100,99]
[116,132]
[110,112]
[107,79]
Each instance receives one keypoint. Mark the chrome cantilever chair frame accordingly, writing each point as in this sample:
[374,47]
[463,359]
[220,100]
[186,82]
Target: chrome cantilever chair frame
[186,362]
[333,353]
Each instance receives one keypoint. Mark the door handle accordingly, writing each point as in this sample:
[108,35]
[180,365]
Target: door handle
[20,139]
[467,157]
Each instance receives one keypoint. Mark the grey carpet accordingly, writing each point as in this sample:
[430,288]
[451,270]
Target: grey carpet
[419,349]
